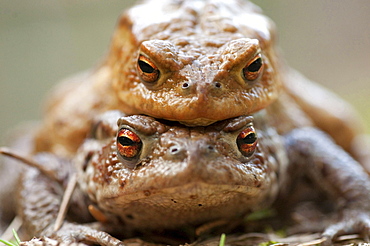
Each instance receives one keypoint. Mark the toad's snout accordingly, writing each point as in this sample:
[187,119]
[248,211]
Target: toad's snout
[193,152]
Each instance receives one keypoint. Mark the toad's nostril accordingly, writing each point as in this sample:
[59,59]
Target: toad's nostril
[218,85]
[185,85]
[174,150]
[210,147]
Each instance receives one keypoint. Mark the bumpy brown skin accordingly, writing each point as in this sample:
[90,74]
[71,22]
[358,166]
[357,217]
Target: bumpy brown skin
[185,177]
[200,49]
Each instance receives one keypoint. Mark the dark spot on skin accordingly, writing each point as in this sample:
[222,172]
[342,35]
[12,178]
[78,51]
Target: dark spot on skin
[325,172]
[147,193]
[129,216]
[122,183]
[87,160]
[257,183]
[173,201]
[60,123]
[200,205]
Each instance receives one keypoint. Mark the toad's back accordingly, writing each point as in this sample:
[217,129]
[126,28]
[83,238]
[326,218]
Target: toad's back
[191,61]
[195,61]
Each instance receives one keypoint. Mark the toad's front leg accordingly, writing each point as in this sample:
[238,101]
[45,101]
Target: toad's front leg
[312,152]
[39,202]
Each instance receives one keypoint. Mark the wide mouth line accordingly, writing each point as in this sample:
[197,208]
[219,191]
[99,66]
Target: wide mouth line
[194,187]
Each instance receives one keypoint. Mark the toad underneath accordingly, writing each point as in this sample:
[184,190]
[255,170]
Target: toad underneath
[151,176]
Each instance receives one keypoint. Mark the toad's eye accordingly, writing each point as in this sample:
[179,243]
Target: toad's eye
[247,141]
[253,69]
[148,71]
[129,145]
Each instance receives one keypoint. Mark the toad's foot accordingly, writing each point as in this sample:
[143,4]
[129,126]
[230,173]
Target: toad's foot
[337,173]
[45,241]
[71,233]
[352,221]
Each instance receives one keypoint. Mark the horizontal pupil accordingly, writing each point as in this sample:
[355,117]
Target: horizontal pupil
[249,139]
[145,67]
[125,141]
[255,66]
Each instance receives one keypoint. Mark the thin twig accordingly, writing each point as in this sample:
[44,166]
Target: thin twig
[65,201]
[29,162]
[314,242]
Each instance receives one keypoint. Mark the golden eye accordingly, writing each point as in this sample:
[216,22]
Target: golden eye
[129,145]
[247,141]
[253,69]
[148,71]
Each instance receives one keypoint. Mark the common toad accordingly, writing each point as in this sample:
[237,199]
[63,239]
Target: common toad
[196,62]
[147,176]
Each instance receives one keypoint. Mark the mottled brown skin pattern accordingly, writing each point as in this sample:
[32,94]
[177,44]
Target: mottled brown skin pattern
[200,49]
[183,177]
[186,177]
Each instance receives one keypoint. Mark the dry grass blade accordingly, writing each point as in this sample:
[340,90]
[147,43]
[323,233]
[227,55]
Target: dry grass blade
[29,162]
[14,225]
[65,201]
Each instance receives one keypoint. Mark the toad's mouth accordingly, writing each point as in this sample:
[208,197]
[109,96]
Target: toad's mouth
[192,203]
[181,182]
[195,194]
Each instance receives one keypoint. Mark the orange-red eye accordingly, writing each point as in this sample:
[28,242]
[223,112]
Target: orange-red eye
[253,69]
[247,141]
[148,71]
[128,144]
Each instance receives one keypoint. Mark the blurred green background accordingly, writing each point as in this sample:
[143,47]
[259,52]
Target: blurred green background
[43,41]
